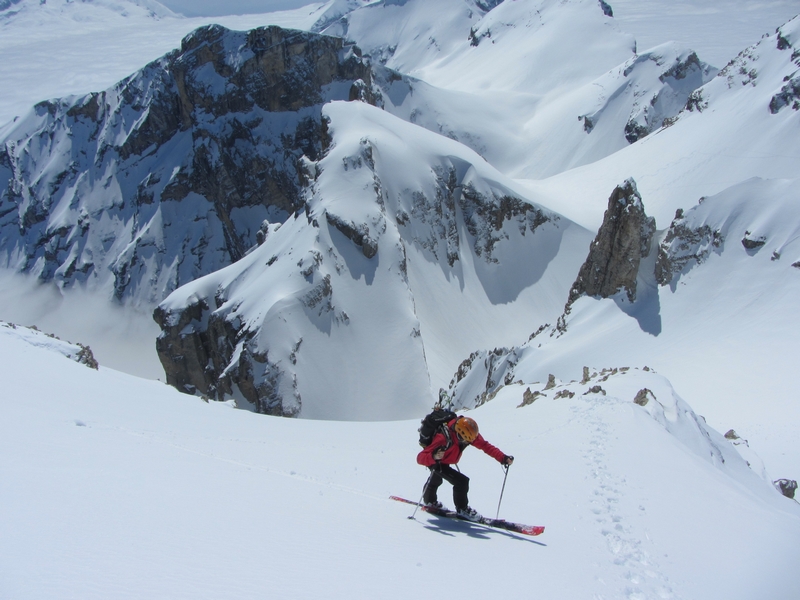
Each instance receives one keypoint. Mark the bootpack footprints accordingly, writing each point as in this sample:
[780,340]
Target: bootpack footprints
[641,576]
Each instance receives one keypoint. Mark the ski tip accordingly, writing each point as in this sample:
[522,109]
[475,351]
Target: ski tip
[535,530]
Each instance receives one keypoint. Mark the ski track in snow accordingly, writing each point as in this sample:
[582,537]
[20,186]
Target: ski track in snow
[639,569]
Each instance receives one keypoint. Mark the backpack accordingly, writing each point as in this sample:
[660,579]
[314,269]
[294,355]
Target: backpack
[433,423]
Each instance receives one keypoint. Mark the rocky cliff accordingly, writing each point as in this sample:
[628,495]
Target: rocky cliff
[170,174]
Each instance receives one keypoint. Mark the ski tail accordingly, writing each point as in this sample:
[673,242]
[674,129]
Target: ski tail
[497,523]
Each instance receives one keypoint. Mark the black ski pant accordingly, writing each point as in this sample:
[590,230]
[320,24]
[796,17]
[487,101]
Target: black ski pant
[459,481]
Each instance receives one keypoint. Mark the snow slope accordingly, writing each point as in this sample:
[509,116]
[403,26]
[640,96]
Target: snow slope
[122,488]
[116,487]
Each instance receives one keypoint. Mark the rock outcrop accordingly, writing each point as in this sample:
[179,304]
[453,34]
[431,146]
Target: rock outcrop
[652,87]
[790,92]
[622,241]
[787,487]
[684,245]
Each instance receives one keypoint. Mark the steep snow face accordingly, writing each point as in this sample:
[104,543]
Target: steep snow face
[168,175]
[357,308]
[522,84]
[123,488]
[739,125]
[535,46]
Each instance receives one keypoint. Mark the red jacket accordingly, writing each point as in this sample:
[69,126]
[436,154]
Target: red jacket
[453,454]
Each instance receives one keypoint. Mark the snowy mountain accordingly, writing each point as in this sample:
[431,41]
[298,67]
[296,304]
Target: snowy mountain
[169,175]
[442,241]
[526,83]
[223,168]
[195,164]
[347,211]
[177,171]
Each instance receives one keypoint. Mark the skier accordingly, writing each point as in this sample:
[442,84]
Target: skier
[444,450]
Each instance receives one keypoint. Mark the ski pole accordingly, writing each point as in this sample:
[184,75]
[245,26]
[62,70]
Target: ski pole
[501,491]
[425,487]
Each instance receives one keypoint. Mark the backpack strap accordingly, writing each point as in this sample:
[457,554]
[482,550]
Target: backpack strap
[448,435]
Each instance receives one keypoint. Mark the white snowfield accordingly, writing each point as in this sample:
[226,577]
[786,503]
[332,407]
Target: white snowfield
[116,487]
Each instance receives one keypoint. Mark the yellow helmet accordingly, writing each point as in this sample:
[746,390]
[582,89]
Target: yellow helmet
[467,429]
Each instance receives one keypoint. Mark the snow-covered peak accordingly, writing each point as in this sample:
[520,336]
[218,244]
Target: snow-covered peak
[532,46]
[38,13]
[443,242]
[247,88]
[335,10]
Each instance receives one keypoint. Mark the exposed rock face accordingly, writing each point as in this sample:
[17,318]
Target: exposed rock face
[653,87]
[753,243]
[790,92]
[684,246]
[643,397]
[170,174]
[196,349]
[679,82]
[788,96]
[484,215]
[358,234]
[623,240]
[492,369]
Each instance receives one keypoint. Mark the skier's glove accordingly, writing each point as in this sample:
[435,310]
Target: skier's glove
[439,454]
[508,460]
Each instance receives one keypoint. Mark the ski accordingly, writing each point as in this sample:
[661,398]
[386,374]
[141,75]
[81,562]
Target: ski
[497,523]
